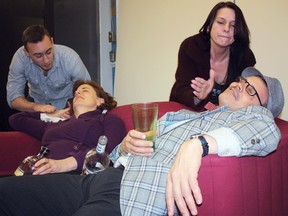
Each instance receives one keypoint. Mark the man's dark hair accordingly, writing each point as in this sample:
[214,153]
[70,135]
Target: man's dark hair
[34,34]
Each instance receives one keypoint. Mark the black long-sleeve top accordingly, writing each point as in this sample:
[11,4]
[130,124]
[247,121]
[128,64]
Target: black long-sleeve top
[194,61]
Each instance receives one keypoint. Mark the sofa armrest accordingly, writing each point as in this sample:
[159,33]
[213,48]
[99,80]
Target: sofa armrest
[246,185]
[14,147]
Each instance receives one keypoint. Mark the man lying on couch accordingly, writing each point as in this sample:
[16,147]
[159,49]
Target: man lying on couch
[151,182]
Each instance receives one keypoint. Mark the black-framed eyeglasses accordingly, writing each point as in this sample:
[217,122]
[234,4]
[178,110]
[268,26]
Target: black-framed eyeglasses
[250,89]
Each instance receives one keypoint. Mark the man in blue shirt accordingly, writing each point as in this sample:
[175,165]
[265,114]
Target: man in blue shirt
[50,71]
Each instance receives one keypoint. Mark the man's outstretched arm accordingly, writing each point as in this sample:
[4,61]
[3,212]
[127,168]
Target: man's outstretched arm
[22,104]
[182,184]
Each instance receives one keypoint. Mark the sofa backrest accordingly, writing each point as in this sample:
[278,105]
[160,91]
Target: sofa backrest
[125,111]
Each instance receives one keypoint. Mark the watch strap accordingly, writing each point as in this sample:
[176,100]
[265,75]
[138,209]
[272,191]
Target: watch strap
[204,144]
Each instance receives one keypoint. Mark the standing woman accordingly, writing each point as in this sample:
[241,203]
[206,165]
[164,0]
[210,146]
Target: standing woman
[210,60]
[70,139]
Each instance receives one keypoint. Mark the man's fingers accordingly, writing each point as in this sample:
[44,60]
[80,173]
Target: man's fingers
[169,196]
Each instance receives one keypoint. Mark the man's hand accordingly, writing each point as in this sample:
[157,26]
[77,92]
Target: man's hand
[44,108]
[135,143]
[22,104]
[182,184]
[202,87]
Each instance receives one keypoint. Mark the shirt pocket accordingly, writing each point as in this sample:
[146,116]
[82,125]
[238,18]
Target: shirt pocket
[59,84]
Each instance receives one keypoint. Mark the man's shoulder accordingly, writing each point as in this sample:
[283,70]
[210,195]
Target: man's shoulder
[20,53]
[20,60]
[20,50]
[64,54]
[63,49]
[250,112]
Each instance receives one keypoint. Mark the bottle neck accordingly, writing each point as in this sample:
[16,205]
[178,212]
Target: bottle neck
[43,152]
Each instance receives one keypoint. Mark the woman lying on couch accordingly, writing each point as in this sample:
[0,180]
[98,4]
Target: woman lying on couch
[150,183]
[70,139]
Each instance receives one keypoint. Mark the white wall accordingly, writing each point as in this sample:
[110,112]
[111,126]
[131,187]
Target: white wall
[106,75]
[267,23]
[150,32]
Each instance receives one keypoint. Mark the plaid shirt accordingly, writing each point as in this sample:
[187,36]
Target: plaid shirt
[144,180]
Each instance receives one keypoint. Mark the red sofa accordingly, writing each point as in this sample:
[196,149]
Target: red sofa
[230,186]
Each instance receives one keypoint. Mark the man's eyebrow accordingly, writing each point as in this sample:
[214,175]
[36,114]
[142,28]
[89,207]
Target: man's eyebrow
[34,54]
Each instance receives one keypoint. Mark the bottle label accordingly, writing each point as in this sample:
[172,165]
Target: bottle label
[19,172]
[102,142]
[100,148]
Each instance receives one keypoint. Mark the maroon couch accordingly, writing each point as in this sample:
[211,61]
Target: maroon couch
[230,186]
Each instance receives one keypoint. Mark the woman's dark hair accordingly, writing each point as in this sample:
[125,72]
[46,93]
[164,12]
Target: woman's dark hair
[241,37]
[34,34]
[109,101]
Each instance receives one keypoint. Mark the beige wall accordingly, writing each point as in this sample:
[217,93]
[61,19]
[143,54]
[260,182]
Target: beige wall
[150,32]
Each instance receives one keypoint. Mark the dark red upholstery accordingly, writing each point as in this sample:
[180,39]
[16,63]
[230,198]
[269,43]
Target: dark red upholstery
[247,185]
[231,186]
[14,147]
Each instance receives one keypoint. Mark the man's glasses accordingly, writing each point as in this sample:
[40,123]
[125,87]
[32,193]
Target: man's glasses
[250,89]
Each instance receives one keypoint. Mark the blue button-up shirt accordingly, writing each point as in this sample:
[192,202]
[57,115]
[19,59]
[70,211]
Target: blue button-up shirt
[56,87]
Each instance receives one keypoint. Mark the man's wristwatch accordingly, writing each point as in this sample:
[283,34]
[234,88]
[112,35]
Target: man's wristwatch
[204,144]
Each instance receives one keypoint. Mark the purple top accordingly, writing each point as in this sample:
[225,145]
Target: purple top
[72,137]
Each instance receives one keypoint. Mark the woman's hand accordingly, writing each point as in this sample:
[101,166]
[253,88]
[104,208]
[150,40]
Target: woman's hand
[63,113]
[135,143]
[46,165]
[202,87]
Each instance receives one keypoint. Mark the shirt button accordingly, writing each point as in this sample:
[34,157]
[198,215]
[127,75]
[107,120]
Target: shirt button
[76,147]
[254,141]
